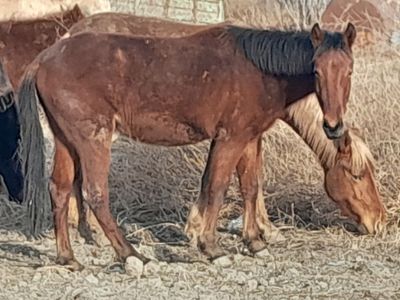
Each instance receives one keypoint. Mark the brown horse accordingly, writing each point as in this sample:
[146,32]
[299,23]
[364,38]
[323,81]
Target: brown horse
[227,84]
[351,184]
[22,41]
[347,163]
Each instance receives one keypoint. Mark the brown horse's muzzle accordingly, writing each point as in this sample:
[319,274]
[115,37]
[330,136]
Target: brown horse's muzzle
[372,224]
[334,132]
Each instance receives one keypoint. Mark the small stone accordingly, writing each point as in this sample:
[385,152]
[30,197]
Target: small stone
[223,261]
[241,278]
[152,268]
[23,283]
[263,253]
[134,266]
[235,225]
[92,279]
[37,277]
[252,284]
[238,258]
[323,285]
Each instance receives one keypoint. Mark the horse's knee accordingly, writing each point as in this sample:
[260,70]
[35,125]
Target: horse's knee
[94,197]
[60,189]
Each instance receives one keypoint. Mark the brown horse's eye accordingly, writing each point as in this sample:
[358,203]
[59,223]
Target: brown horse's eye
[316,74]
[349,74]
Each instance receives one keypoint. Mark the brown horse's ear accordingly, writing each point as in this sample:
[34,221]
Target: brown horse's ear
[317,35]
[350,34]
[76,13]
[344,145]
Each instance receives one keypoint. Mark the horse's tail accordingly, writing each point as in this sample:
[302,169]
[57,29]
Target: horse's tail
[31,154]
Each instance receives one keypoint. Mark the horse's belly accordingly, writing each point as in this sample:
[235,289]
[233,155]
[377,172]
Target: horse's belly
[165,131]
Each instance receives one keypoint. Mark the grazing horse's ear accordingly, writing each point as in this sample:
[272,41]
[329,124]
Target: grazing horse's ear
[344,143]
[317,35]
[350,34]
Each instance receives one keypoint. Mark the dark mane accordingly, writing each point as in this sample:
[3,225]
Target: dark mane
[285,53]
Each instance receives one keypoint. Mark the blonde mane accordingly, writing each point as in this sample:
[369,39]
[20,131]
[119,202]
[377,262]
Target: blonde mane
[306,116]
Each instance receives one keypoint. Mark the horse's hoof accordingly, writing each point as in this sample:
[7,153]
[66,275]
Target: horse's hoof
[212,251]
[71,263]
[87,236]
[143,258]
[255,246]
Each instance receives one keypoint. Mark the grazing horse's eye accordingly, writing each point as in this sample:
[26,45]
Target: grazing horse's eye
[316,73]
[350,73]
[356,177]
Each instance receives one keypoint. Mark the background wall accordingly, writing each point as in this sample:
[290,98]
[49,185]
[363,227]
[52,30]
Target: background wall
[194,11]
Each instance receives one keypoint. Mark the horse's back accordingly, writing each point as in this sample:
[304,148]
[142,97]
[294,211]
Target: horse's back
[136,25]
[154,87]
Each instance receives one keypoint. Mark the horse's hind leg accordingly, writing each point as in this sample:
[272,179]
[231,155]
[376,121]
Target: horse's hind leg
[81,217]
[82,209]
[60,188]
[95,161]
[256,221]
[202,220]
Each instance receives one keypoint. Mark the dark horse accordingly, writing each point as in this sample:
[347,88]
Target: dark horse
[10,169]
[20,43]
[227,84]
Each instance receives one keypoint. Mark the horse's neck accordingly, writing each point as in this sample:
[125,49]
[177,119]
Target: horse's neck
[305,117]
[298,87]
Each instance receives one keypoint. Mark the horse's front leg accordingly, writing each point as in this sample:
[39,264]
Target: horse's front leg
[202,220]
[256,221]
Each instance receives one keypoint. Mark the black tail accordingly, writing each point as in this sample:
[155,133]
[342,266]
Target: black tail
[32,156]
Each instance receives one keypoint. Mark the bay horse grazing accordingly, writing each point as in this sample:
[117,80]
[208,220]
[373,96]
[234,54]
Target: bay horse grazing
[10,168]
[348,163]
[227,84]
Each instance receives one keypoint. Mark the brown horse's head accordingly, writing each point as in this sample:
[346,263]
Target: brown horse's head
[333,66]
[350,182]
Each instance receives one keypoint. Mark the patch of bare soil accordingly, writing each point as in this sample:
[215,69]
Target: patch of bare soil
[310,264]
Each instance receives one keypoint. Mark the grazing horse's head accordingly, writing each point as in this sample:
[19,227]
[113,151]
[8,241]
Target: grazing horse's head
[350,182]
[333,66]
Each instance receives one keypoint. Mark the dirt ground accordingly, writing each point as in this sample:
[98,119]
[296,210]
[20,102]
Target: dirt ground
[152,189]
[311,264]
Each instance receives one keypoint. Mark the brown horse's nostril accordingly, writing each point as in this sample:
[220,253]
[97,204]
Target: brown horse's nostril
[333,132]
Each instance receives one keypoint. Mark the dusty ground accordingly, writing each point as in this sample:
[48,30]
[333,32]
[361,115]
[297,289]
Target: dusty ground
[311,264]
[153,187]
